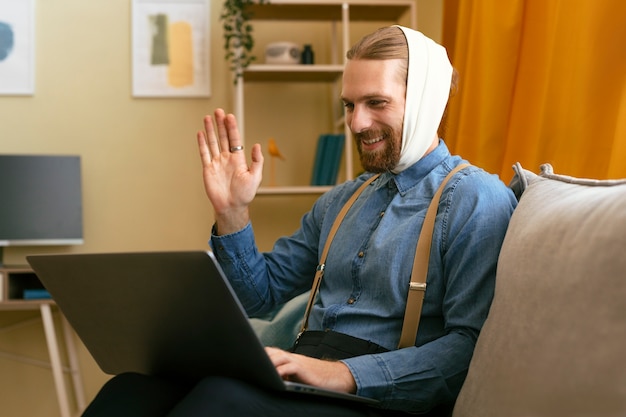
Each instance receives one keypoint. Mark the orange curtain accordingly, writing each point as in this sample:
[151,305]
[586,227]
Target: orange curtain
[540,81]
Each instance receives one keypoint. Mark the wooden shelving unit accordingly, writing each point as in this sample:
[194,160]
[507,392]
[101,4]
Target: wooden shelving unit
[340,14]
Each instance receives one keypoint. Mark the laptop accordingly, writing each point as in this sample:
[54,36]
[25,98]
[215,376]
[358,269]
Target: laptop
[162,313]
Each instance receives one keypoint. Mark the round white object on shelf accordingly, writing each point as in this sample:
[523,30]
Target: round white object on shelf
[282,53]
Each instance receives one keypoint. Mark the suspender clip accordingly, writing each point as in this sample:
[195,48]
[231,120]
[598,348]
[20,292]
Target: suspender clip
[417,286]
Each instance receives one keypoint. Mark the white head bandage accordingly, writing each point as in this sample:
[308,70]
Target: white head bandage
[427,92]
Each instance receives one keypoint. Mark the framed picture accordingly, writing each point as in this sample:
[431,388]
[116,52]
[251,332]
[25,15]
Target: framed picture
[17,47]
[170,48]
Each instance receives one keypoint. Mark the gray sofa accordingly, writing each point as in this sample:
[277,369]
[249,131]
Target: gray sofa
[554,343]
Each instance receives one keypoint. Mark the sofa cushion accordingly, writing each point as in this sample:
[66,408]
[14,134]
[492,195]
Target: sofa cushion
[554,343]
[280,328]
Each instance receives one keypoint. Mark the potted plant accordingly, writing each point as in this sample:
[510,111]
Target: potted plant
[238,40]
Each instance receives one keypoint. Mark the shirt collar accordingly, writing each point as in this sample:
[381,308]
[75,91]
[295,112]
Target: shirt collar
[411,176]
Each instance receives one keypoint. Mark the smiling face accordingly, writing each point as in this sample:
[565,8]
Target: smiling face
[374,97]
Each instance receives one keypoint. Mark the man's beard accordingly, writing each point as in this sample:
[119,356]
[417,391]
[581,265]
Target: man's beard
[381,160]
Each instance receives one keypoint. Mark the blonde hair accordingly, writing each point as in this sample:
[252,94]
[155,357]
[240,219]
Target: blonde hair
[385,43]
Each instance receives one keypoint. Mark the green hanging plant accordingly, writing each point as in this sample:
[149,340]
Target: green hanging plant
[238,40]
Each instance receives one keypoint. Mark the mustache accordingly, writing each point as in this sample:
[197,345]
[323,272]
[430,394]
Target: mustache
[371,134]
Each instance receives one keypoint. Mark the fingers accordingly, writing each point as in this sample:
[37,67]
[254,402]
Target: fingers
[275,354]
[205,155]
[284,362]
[228,132]
[222,133]
[257,160]
[279,357]
[232,133]
[227,138]
[209,137]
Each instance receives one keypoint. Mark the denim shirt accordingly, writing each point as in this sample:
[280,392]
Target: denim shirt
[368,269]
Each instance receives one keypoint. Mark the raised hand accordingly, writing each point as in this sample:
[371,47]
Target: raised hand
[229,182]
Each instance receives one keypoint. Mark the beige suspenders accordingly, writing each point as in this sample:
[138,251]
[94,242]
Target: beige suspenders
[417,286]
[319,272]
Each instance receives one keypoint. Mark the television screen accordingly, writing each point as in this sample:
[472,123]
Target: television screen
[40,200]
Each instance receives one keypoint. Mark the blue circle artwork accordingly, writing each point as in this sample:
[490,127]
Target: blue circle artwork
[6,40]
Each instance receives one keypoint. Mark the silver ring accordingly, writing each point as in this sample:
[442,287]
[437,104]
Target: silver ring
[236,148]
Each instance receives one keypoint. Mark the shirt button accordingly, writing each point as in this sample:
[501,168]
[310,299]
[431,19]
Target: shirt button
[351,300]
[361,254]
[382,213]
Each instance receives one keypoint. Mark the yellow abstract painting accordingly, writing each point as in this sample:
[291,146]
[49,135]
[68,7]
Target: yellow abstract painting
[170,48]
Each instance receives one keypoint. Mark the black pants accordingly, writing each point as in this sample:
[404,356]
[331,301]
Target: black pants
[134,395]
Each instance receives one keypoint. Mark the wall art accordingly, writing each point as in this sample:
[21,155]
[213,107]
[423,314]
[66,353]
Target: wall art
[170,48]
[17,47]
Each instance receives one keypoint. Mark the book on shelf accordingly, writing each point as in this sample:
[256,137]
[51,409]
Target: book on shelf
[327,159]
[36,294]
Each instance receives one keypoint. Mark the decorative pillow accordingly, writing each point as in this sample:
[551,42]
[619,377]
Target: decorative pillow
[554,344]
[280,328]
